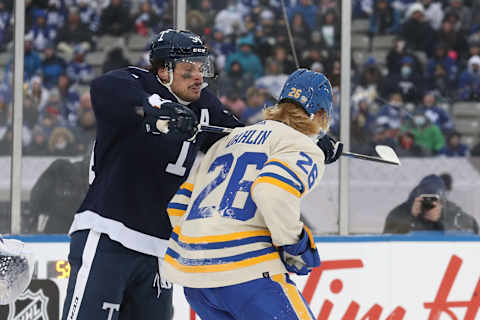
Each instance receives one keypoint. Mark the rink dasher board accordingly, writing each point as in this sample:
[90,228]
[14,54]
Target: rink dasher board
[402,277]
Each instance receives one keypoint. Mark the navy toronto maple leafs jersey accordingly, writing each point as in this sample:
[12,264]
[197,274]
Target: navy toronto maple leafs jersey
[135,173]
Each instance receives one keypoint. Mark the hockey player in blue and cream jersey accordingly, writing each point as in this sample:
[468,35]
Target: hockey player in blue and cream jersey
[236,220]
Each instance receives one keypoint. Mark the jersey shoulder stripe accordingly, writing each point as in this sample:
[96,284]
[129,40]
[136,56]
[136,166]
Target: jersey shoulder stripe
[279,181]
[286,168]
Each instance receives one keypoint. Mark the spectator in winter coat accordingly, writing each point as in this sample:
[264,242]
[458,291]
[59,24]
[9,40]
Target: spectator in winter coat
[32,60]
[273,80]
[250,62]
[115,19]
[469,81]
[308,10]
[146,19]
[79,70]
[385,18]
[256,101]
[230,19]
[393,112]
[86,126]
[409,82]
[115,59]
[416,31]
[55,15]
[441,71]
[464,14]
[427,134]
[61,142]
[407,147]
[53,66]
[235,79]
[88,15]
[435,114]
[397,53]
[69,101]
[435,214]
[73,32]
[37,92]
[41,33]
[5,26]
[454,148]
[56,194]
[453,39]
[433,13]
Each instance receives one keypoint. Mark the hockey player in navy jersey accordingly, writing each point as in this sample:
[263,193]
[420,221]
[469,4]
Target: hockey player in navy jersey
[145,146]
[236,220]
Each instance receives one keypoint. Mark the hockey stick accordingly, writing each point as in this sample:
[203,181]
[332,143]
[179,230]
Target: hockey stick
[386,154]
[290,36]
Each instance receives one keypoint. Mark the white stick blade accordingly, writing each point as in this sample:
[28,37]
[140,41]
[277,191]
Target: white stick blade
[387,153]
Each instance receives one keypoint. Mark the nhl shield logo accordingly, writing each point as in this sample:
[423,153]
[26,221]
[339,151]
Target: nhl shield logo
[29,306]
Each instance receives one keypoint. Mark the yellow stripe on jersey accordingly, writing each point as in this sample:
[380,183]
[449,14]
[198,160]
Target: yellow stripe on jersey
[289,170]
[220,267]
[175,212]
[221,237]
[293,296]
[285,186]
[187,185]
[310,237]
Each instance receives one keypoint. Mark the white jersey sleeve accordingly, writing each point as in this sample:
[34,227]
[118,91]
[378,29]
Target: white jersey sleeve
[294,167]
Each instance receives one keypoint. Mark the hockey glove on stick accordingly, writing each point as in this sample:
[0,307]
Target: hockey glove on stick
[165,116]
[301,257]
[331,148]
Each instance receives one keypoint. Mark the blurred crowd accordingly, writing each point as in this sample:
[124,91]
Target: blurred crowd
[434,61]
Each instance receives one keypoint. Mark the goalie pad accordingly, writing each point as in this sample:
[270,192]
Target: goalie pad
[16,269]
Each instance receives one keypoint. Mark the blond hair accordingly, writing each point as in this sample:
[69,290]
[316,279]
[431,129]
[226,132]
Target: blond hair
[295,116]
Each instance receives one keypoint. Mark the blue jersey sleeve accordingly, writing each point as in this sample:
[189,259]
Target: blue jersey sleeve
[115,96]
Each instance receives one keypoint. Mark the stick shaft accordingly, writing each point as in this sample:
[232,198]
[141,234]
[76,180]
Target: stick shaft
[369,158]
[216,129]
[213,129]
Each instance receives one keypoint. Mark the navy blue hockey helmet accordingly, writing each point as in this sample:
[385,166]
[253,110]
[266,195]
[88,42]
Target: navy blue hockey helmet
[309,89]
[178,45]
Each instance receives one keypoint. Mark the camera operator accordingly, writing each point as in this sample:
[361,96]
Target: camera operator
[428,209]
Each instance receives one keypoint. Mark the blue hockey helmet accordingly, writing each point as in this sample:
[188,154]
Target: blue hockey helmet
[309,89]
[178,45]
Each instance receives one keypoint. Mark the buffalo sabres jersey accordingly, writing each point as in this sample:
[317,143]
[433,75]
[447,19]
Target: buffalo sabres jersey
[135,174]
[241,203]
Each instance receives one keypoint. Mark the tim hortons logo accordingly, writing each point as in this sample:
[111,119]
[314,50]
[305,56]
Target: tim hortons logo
[29,306]
[441,306]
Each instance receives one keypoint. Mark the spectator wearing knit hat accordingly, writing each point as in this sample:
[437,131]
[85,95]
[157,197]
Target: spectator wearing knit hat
[417,32]
[469,81]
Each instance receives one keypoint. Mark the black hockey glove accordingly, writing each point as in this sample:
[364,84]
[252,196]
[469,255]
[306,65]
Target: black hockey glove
[331,148]
[168,117]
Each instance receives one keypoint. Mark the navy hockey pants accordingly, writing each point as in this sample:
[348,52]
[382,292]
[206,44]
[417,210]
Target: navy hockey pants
[268,298]
[110,282]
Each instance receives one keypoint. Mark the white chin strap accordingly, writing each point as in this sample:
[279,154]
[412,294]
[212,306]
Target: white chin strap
[16,269]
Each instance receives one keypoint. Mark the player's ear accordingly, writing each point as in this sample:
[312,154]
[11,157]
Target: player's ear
[163,74]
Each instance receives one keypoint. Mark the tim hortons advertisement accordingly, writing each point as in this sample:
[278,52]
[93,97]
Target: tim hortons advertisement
[393,281]
[361,278]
